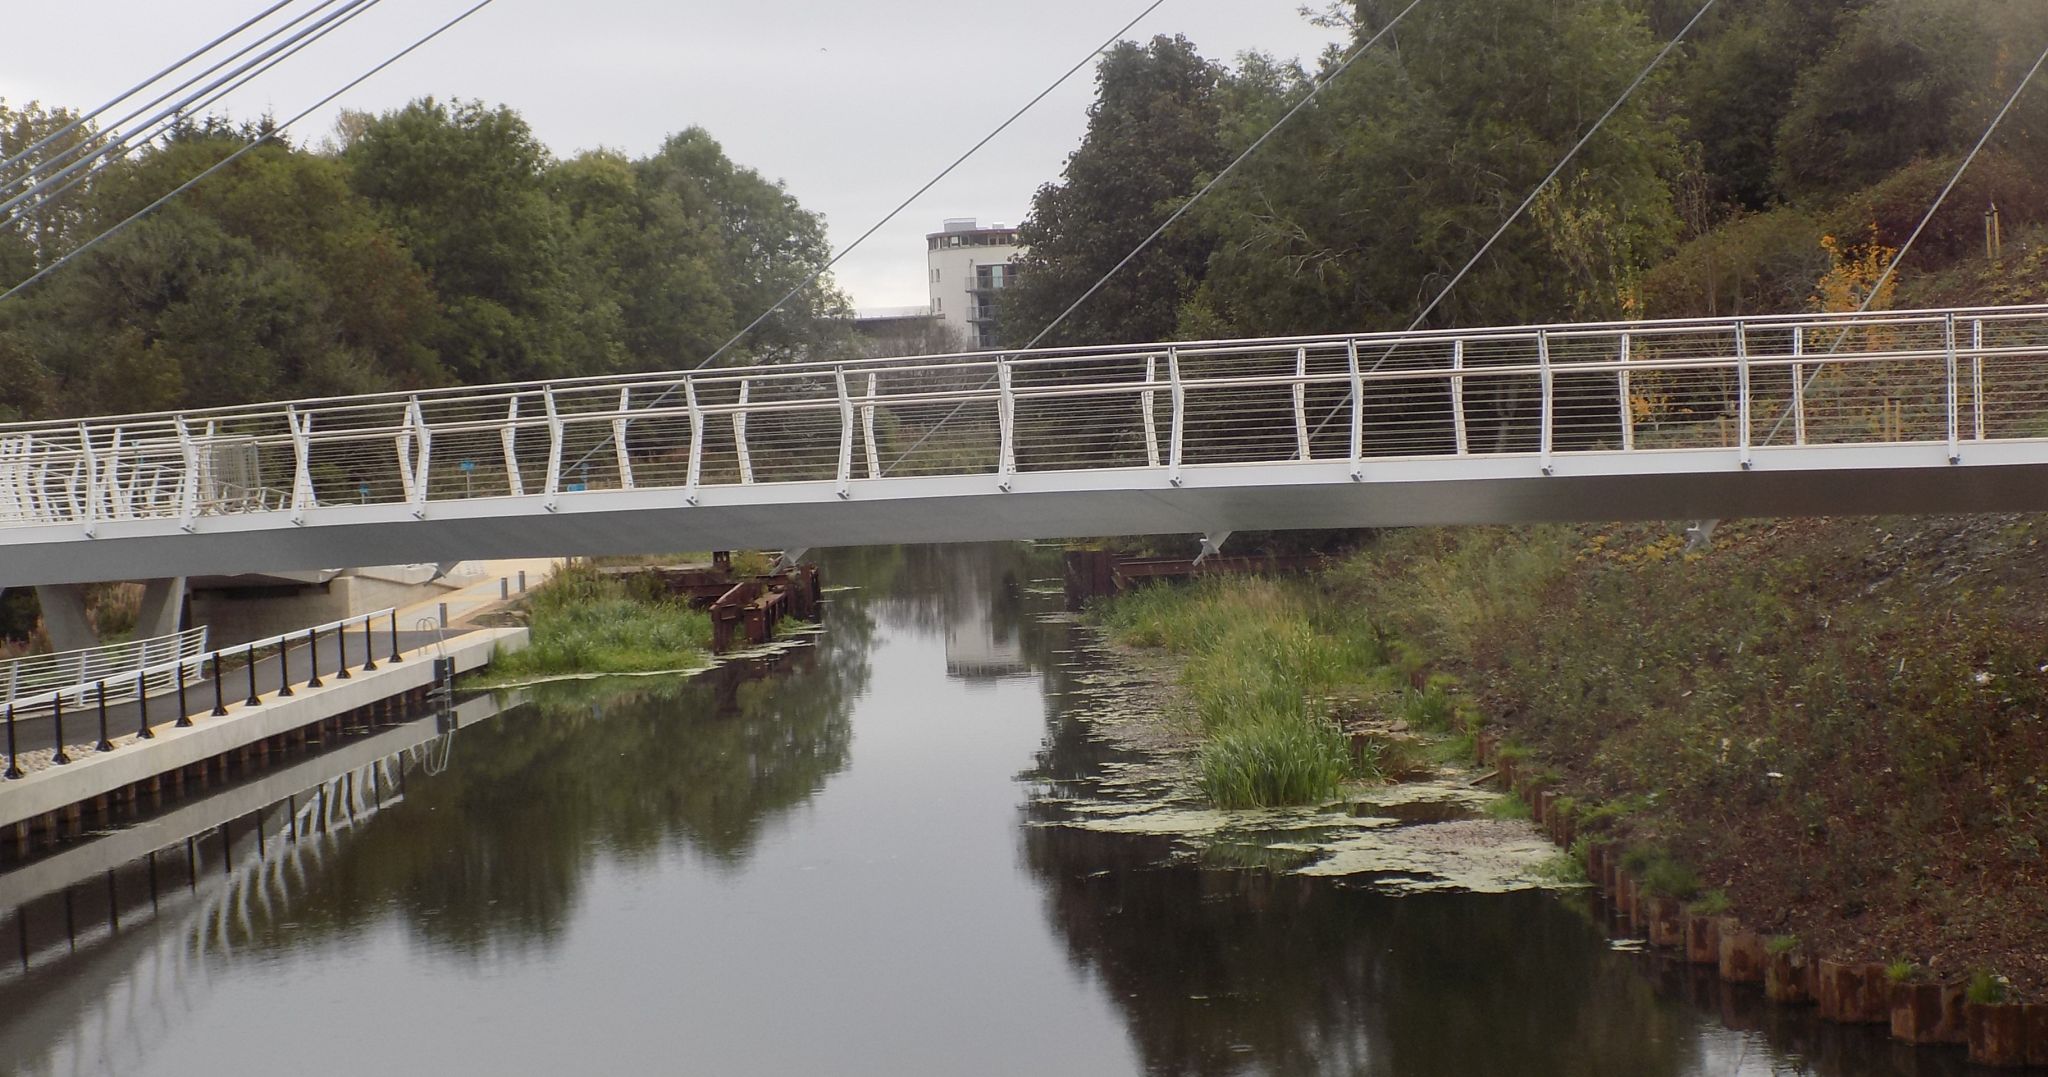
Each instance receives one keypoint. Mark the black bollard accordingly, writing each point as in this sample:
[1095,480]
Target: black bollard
[250,657]
[184,709]
[220,707]
[57,720]
[313,656]
[369,647]
[142,707]
[394,637]
[13,759]
[104,745]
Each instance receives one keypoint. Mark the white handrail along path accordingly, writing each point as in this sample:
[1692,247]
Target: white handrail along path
[1942,410]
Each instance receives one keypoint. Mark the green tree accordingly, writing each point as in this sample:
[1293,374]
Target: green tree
[768,244]
[1375,195]
[1154,133]
[1908,79]
[464,187]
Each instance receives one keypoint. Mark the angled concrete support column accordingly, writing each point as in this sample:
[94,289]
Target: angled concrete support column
[64,616]
[163,606]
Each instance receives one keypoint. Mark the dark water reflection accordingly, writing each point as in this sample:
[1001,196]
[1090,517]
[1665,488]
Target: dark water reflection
[835,861]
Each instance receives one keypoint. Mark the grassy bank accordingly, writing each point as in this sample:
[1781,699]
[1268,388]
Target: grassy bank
[584,622]
[1269,673]
[1837,729]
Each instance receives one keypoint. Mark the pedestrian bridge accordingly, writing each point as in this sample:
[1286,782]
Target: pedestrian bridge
[1896,412]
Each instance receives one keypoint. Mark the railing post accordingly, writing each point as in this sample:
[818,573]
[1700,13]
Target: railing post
[284,667]
[142,708]
[1549,403]
[1798,385]
[369,647]
[92,480]
[1628,407]
[1006,425]
[739,438]
[619,423]
[1145,412]
[105,744]
[249,658]
[1742,391]
[1955,403]
[1459,432]
[1977,377]
[1176,432]
[313,656]
[867,427]
[302,451]
[188,488]
[57,729]
[423,436]
[184,708]
[553,488]
[13,757]
[509,437]
[845,431]
[341,672]
[1301,447]
[220,706]
[696,471]
[395,656]
[1357,411]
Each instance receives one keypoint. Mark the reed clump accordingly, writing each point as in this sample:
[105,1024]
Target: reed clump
[582,621]
[1266,663]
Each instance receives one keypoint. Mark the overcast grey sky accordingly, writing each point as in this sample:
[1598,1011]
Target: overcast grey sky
[853,105]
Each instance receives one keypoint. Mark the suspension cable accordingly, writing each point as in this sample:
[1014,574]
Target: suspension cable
[140,86]
[1177,214]
[209,102]
[116,145]
[238,154]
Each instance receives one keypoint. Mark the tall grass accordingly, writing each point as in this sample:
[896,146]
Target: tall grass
[1264,661]
[585,622]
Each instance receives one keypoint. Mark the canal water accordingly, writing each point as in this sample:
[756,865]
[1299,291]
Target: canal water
[847,858]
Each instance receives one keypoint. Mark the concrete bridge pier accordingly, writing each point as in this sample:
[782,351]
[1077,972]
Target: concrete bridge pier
[64,616]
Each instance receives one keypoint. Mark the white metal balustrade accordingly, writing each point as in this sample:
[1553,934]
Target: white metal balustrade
[1521,402]
[72,674]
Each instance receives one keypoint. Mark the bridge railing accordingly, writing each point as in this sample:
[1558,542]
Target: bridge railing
[72,673]
[1947,376]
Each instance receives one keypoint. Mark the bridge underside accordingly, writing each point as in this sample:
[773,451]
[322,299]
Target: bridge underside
[1676,485]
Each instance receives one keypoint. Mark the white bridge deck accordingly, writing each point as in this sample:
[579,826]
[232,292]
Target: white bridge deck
[1925,411]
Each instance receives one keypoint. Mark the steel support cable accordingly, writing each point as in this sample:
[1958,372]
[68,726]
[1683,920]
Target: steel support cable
[1177,214]
[244,151]
[1641,77]
[605,442]
[237,84]
[141,86]
[1892,266]
[119,145]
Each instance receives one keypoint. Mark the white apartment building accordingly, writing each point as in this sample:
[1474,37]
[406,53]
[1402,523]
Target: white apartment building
[968,265]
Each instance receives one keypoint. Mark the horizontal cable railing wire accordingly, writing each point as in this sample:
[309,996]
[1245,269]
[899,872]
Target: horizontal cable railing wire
[1940,375]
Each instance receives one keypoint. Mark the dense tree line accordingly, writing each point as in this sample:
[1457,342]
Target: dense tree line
[1783,139]
[437,243]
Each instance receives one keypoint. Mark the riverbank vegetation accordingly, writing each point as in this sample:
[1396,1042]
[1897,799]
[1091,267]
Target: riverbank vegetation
[583,621]
[1841,726]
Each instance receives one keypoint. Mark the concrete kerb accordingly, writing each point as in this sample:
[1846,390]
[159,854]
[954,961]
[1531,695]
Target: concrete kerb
[173,748]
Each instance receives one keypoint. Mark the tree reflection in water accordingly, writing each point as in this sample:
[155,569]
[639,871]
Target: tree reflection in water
[490,855]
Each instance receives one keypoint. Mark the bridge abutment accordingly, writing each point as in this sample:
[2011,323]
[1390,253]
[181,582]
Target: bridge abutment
[70,626]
